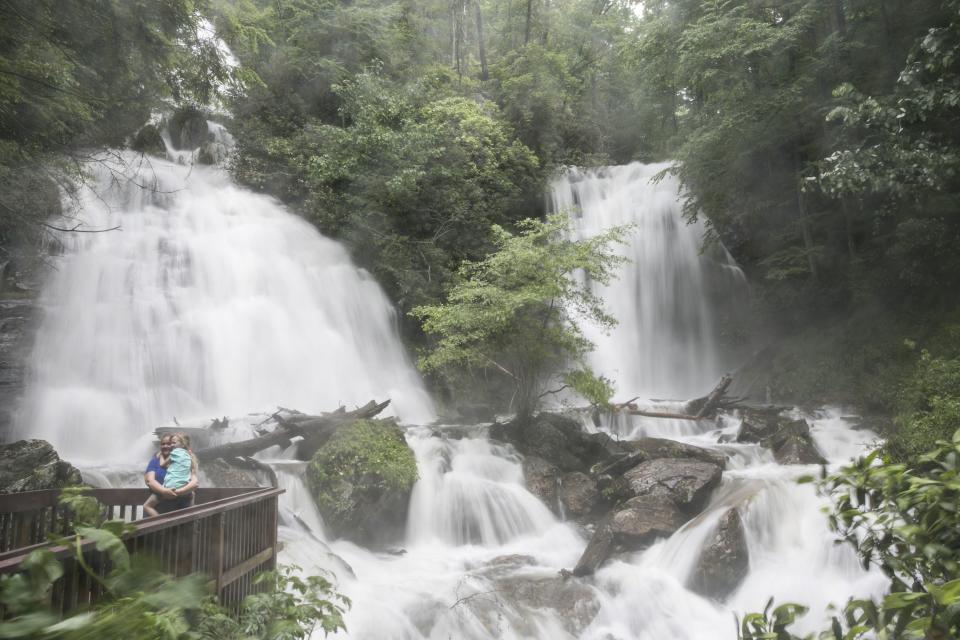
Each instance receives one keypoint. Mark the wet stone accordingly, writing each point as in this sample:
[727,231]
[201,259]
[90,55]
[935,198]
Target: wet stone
[686,483]
[724,560]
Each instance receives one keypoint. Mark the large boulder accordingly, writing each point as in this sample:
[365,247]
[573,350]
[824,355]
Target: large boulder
[685,483]
[188,128]
[361,480]
[645,449]
[542,479]
[631,527]
[654,448]
[640,520]
[789,440]
[578,494]
[520,594]
[724,560]
[573,494]
[559,440]
[149,140]
[220,473]
[31,465]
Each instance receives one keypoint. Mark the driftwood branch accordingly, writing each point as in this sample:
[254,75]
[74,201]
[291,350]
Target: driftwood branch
[315,431]
[711,402]
[662,414]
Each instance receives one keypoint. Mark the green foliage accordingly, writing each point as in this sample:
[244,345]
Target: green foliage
[412,178]
[289,608]
[142,603]
[928,406]
[83,74]
[517,312]
[770,625]
[827,169]
[369,455]
[906,521]
[597,390]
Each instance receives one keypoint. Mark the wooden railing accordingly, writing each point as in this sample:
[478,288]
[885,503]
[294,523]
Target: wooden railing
[229,534]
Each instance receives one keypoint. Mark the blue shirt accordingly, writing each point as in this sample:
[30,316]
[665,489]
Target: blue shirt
[159,473]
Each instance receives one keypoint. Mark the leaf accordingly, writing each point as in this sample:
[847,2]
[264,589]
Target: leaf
[109,543]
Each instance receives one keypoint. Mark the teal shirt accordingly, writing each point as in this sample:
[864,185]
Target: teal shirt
[178,471]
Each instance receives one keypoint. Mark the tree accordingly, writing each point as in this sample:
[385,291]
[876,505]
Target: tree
[518,311]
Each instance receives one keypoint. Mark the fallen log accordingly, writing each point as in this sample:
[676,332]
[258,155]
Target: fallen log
[708,404]
[663,414]
[316,430]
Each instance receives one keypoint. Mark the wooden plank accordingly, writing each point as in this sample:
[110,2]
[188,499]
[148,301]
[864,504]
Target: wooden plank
[235,573]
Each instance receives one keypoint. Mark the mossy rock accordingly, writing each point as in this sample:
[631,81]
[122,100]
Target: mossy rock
[149,140]
[361,480]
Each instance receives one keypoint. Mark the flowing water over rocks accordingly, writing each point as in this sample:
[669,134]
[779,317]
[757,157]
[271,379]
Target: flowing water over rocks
[210,300]
[215,301]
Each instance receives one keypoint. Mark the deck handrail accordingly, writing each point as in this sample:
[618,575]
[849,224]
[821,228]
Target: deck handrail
[10,560]
[231,536]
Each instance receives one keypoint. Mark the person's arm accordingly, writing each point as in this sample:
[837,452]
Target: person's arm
[190,486]
[150,477]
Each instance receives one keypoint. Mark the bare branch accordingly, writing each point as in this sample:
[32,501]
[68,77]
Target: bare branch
[77,229]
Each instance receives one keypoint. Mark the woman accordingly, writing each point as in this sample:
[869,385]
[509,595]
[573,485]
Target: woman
[168,499]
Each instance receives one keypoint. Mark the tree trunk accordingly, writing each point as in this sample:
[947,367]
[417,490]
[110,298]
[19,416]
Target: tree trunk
[484,74]
[526,30]
[805,222]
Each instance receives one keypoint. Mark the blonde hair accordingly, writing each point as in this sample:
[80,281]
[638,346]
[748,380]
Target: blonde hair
[184,441]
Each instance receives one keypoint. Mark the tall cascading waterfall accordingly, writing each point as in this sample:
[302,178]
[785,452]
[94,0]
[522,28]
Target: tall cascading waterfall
[214,300]
[207,300]
[669,298]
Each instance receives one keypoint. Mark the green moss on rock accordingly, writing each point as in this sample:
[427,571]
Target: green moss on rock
[361,481]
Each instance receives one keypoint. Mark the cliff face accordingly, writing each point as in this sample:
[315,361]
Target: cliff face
[18,311]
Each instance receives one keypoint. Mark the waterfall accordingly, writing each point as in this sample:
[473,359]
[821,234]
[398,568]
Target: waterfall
[669,299]
[213,300]
[207,300]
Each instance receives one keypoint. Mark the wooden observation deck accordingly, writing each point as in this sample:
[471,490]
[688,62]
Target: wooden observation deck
[229,534]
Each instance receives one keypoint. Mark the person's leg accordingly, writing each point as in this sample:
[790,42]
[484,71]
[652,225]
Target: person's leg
[149,507]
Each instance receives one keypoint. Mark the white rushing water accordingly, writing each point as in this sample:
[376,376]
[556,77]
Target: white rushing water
[482,556]
[670,300]
[214,301]
[209,300]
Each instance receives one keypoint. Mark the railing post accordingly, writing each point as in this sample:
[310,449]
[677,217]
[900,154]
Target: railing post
[274,505]
[217,551]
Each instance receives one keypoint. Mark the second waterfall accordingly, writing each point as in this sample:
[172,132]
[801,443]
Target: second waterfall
[671,300]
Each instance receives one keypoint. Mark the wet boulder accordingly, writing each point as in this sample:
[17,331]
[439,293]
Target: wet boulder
[573,494]
[640,520]
[599,548]
[724,560]
[789,440]
[188,128]
[578,494]
[685,483]
[541,478]
[148,140]
[361,481]
[645,449]
[32,465]
[220,473]
[519,596]
[655,448]
[559,440]
[630,527]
